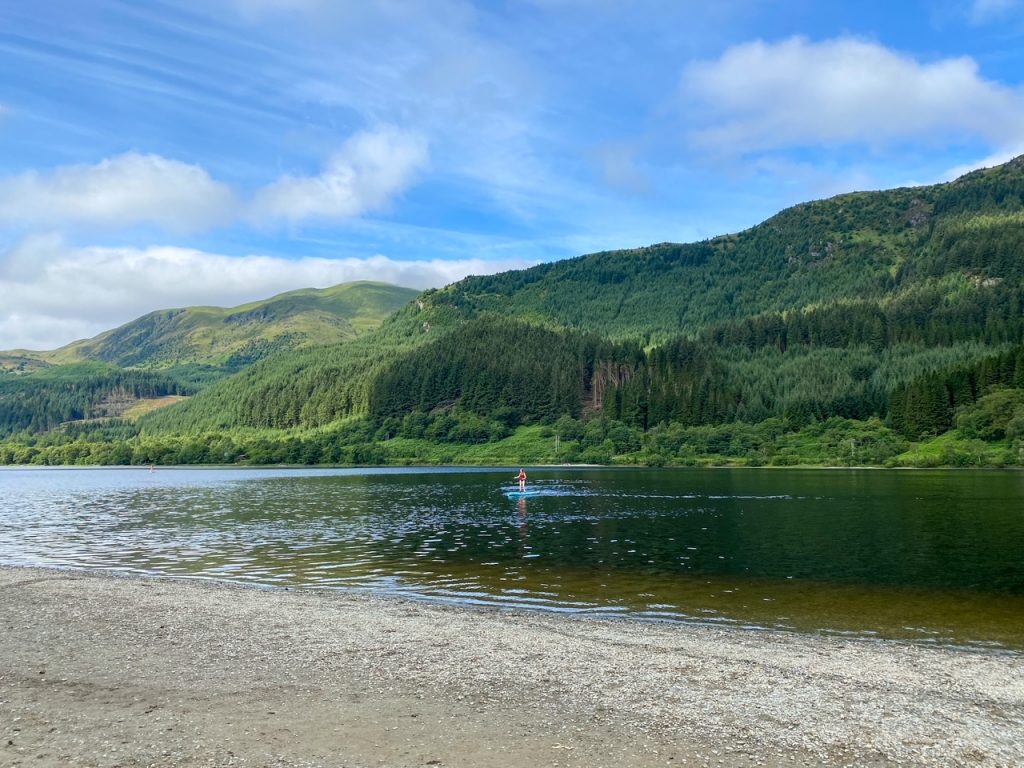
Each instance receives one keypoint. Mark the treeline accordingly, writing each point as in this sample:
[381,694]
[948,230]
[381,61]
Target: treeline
[987,245]
[933,316]
[42,401]
[689,383]
[686,384]
[917,391]
[508,373]
[455,436]
[990,432]
[357,441]
[96,445]
[667,290]
[304,388]
[499,368]
[929,404]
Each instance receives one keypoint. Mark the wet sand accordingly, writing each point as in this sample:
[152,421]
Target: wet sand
[97,670]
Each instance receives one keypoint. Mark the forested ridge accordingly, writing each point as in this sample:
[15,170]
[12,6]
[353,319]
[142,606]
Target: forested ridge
[866,245]
[180,352]
[49,399]
[870,325]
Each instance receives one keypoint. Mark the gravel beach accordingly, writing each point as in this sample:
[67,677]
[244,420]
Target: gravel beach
[98,670]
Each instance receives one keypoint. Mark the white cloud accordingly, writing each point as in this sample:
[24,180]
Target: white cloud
[364,175]
[996,158]
[120,191]
[987,11]
[762,96]
[51,293]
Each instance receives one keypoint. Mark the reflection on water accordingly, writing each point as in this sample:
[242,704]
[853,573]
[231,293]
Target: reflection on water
[925,555]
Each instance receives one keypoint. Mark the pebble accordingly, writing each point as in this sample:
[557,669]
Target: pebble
[709,696]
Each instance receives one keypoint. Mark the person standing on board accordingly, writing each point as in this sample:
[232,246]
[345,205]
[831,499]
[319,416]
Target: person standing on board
[522,479]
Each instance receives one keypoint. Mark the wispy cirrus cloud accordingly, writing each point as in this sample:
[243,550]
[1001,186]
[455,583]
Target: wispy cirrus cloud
[120,191]
[761,96]
[54,292]
[369,170]
[440,71]
[259,8]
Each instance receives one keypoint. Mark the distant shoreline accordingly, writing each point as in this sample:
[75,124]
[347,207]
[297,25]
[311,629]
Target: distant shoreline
[167,672]
[838,467]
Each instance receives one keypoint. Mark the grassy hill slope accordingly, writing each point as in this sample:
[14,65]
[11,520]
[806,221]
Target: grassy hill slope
[233,337]
[170,353]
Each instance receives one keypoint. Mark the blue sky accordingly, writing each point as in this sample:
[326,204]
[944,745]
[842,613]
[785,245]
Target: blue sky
[167,154]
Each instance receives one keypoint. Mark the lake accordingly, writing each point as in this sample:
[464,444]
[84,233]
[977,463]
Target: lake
[931,556]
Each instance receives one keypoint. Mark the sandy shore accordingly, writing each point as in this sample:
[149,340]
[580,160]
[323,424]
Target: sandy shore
[104,671]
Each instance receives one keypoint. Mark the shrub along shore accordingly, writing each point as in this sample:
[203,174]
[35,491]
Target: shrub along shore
[990,434]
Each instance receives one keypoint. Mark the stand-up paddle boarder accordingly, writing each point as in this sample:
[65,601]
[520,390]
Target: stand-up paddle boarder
[522,479]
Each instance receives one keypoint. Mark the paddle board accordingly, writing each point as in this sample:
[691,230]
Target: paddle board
[519,494]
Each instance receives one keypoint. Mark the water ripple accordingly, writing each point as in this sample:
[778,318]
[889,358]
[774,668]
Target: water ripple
[830,552]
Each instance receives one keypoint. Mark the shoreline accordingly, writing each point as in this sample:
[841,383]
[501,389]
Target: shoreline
[667,467]
[112,670]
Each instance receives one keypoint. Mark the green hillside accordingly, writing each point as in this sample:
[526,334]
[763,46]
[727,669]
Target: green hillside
[906,245]
[180,351]
[932,274]
[233,337]
[839,331]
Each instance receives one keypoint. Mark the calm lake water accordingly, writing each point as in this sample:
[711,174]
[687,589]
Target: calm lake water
[931,556]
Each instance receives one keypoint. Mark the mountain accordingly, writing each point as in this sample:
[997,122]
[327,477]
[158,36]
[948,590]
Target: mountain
[176,352]
[888,247]
[231,338]
[891,316]
[825,309]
